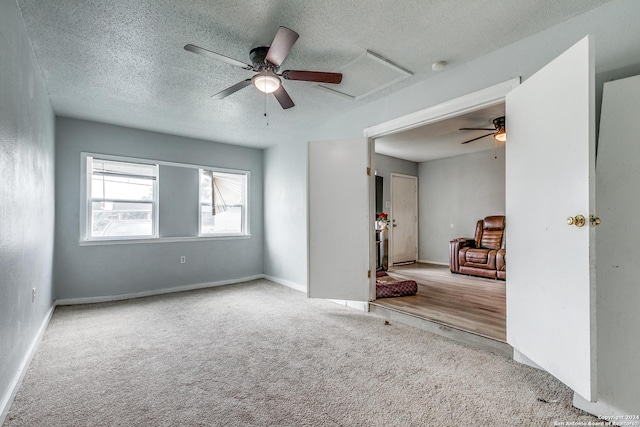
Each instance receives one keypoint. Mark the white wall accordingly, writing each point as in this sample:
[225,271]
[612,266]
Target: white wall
[26,199]
[453,194]
[113,270]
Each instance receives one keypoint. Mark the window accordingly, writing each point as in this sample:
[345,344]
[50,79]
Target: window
[223,202]
[122,199]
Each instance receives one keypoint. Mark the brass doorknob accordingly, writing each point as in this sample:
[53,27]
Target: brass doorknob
[594,220]
[577,220]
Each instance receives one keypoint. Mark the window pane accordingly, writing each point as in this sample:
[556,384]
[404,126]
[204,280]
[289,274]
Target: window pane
[222,202]
[229,221]
[121,219]
[113,167]
[121,188]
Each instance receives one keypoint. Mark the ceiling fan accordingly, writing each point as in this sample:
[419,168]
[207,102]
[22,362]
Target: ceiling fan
[499,133]
[266,61]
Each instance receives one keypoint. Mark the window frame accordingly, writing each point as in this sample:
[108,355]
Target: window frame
[244,207]
[86,199]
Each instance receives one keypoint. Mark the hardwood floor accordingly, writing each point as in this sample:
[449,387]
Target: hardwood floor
[473,304]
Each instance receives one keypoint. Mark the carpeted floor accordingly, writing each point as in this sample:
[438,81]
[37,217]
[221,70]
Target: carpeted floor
[259,354]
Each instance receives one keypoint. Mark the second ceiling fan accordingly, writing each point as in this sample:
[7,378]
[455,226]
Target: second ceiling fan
[499,132]
[266,61]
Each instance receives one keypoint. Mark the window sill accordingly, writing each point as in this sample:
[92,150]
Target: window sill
[161,240]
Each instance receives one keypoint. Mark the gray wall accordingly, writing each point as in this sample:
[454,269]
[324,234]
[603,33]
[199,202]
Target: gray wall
[26,198]
[385,166]
[109,270]
[285,182]
[179,198]
[454,193]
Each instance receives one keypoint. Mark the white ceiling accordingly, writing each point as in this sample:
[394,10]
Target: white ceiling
[123,62]
[444,138]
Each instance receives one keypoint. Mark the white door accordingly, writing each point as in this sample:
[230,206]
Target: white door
[404,218]
[618,270]
[550,169]
[340,226]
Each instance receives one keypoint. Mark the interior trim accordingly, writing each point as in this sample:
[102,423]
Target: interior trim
[108,298]
[14,386]
[483,98]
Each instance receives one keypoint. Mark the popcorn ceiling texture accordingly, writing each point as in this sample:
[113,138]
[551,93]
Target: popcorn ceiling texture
[123,62]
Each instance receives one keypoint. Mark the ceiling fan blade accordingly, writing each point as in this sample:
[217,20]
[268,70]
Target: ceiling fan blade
[283,98]
[231,90]
[312,76]
[475,129]
[281,45]
[480,137]
[219,57]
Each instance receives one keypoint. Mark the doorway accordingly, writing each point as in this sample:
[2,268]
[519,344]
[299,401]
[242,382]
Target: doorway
[448,202]
[454,186]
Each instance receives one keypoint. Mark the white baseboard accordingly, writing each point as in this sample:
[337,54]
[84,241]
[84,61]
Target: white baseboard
[10,394]
[358,305]
[285,282]
[424,261]
[521,358]
[93,300]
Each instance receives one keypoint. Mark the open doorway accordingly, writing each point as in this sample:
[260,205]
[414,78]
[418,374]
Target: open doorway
[457,184]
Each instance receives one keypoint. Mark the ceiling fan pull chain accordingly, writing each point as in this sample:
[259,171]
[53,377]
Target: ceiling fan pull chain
[265,108]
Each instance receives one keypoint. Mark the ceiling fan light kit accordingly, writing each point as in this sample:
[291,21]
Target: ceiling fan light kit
[266,81]
[499,132]
[501,135]
[266,62]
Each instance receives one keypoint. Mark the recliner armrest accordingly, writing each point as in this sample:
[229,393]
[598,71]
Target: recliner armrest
[501,264]
[465,242]
[454,248]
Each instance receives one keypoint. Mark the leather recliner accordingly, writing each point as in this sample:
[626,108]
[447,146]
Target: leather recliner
[485,254]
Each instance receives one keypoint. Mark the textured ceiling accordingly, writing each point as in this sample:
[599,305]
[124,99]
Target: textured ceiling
[443,138]
[123,62]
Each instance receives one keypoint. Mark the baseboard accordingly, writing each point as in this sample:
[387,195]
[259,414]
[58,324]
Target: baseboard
[287,283]
[604,411]
[358,305]
[424,261]
[521,358]
[93,300]
[7,400]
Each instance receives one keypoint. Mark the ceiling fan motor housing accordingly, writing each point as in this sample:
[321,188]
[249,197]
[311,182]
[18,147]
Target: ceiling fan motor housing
[498,122]
[257,56]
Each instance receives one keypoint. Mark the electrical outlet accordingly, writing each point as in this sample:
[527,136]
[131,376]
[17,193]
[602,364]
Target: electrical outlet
[183,259]
[33,295]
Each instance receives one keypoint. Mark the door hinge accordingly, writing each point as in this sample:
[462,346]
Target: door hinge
[368,171]
[369,274]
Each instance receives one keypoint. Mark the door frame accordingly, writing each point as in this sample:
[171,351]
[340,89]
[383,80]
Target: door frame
[483,98]
[391,231]
[490,96]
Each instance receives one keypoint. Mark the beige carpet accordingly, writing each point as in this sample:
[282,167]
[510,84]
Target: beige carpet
[258,354]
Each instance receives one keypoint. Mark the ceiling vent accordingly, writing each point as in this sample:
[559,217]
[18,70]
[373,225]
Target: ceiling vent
[366,75]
